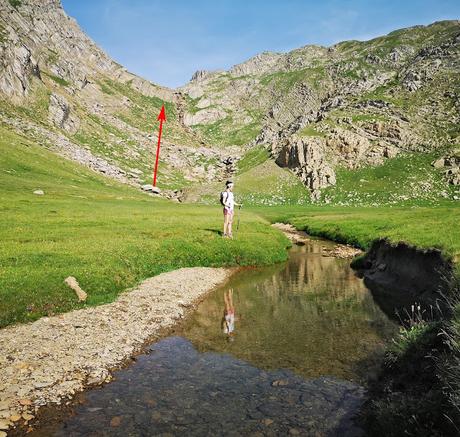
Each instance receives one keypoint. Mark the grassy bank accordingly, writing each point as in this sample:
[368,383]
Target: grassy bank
[423,227]
[107,235]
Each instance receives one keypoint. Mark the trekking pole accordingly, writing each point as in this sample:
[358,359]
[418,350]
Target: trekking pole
[238,222]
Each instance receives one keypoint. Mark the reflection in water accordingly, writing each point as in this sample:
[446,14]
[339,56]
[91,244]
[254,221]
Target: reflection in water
[228,321]
[311,315]
[306,331]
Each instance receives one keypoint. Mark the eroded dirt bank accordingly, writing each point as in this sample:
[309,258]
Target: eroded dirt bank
[400,276]
[51,359]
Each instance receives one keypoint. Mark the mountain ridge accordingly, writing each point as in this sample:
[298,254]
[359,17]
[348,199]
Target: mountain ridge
[319,111]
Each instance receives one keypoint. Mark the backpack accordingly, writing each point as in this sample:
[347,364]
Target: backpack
[223,195]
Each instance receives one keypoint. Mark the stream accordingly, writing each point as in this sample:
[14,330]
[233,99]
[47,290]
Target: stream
[305,337]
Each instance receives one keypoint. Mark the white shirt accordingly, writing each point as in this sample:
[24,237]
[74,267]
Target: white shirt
[229,200]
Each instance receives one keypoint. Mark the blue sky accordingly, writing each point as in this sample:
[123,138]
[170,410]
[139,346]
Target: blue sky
[166,41]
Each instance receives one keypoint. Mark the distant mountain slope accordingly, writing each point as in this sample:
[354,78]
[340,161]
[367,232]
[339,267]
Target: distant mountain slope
[324,114]
[354,104]
[57,86]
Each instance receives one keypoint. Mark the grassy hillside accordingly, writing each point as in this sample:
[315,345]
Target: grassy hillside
[259,181]
[105,234]
[408,179]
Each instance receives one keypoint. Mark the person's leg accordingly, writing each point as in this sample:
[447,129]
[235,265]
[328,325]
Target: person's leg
[230,300]
[226,301]
[225,224]
[229,225]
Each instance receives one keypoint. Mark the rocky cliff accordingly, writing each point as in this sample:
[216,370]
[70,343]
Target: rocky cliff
[58,87]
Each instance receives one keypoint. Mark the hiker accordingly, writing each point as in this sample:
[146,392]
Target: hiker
[228,321]
[228,202]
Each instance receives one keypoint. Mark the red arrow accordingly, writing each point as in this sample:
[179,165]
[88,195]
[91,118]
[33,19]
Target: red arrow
[161,118]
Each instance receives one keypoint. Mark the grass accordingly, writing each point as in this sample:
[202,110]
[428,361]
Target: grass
[284,81]
[263,184]
[254,157]
[56,79]
[107,235]
[424,227]
[225,132]
[417,392]
[15,3]
[310,131]
[407,179]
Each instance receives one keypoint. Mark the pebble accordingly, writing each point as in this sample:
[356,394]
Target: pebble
[25,401]
[116,421]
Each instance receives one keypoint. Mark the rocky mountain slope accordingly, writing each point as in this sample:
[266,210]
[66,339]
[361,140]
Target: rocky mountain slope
[349,106]
[59,88]
[329,115]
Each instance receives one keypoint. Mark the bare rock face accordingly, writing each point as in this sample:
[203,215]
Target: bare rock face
[60,114]
[260,63]
[450,165]
[199,75]
[18,67]
[306,157]
[204,116]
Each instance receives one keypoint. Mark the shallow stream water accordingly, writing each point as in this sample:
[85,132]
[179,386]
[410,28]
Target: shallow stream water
[306,337]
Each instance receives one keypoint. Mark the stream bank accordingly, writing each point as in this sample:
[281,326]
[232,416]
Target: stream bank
[48,361]
[307,335]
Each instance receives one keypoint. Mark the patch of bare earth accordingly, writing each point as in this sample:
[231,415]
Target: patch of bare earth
[49,360]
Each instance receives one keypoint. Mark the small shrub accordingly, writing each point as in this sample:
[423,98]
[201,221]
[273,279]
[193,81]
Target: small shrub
[15,3]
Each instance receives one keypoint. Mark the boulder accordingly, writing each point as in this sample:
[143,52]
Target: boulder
[149,188]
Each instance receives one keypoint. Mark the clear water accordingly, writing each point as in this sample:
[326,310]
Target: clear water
[307,335]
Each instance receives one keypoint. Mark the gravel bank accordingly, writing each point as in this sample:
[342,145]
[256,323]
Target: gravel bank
[49,360]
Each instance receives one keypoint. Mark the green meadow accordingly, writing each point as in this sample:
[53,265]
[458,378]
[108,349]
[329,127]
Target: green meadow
[109,236]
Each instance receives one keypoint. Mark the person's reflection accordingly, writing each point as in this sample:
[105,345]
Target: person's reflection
[228,320]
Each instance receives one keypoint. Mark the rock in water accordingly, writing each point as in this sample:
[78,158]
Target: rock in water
[73,284]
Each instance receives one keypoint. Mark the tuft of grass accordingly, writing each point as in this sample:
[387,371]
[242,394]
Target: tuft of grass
[310,131]
[15,3]
[57,79]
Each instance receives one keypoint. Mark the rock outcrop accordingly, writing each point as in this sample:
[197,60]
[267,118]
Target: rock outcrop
[450,165]
[60,114]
